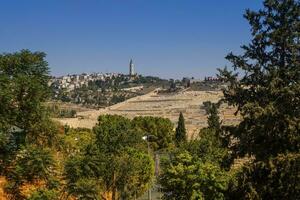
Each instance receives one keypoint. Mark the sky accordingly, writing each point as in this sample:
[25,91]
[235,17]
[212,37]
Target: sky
[165,38]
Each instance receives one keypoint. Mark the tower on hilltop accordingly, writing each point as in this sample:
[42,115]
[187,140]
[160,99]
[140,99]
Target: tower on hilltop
[131,68]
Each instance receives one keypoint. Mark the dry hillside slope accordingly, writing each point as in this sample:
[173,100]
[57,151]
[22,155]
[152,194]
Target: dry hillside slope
[162,105]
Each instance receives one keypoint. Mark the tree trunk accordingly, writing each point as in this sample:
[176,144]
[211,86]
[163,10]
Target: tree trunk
[114,188]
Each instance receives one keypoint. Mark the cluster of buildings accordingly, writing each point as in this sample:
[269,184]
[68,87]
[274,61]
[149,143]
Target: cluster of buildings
[71,82]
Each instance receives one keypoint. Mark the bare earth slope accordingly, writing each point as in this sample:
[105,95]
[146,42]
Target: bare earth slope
[161,105]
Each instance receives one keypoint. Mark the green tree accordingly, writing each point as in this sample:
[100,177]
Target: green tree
[209,147]
[25,123]
[267,94]
[114,135]
[113,161]
[180,133]
[276,179]
[32,164]
[184,177]
[24,87]
[213,118]
[159,127]
[76,139]
[135,174]
[44,194]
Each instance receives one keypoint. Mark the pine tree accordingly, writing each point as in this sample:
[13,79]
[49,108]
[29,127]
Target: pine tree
[267,98]
[180,135]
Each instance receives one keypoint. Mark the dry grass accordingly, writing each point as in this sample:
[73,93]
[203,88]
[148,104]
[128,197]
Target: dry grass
[161,105]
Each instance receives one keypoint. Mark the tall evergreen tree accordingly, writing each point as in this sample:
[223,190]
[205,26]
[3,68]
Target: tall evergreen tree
[180,135]
[267,98]
[213,118]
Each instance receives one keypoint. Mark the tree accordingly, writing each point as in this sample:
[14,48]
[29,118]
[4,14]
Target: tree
[32,165]
[180,133]
[83,173]
[196,169]
[276,179]
[267,94]
[209,147]
[114,162]
[24,86]
[114,135]
[136,173]
[213,118]
[26,132]
[76,139]
[184,177]
[159,127]
[44,194]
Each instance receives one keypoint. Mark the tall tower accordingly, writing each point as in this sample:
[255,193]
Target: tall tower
[131,68]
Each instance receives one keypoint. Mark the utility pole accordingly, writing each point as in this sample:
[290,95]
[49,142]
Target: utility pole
[149,153]
[149,189]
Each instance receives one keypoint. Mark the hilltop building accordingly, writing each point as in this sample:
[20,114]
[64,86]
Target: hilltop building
[131,68]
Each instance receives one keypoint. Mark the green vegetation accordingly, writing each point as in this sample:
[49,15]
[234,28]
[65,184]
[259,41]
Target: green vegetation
[197,169]
[28,136]
[213,118]
[160,128]
[57,112]
[43,160]
[103,93]
[40,159]
[115,160]
[185,177]
[180,133]
[267,98]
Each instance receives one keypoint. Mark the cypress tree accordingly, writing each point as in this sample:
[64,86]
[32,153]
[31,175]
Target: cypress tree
[180,135]
[213,118]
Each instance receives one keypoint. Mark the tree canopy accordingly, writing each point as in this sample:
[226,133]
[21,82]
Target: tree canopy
[159,127]
[27,135]
[266,95]
[114,165]
[180,133]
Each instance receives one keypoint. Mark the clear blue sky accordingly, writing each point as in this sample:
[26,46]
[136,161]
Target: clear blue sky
[167,38]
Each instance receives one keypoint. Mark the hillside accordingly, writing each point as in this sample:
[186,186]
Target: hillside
[162,105]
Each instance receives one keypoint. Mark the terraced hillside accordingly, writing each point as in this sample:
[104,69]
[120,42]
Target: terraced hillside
[162,105]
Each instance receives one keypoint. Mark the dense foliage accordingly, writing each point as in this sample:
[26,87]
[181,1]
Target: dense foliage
[197,168]
[160,128]
[267,98]
[40,159]
[276,179]
[113,165]
[180,133]
[185,177]
[27,135]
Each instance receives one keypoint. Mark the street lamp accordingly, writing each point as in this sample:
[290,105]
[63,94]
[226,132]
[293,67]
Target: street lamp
[147,138]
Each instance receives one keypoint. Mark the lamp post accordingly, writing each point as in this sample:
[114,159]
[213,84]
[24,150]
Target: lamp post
[146,138]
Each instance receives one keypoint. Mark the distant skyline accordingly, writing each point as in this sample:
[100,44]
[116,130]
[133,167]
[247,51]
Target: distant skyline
[165,38]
